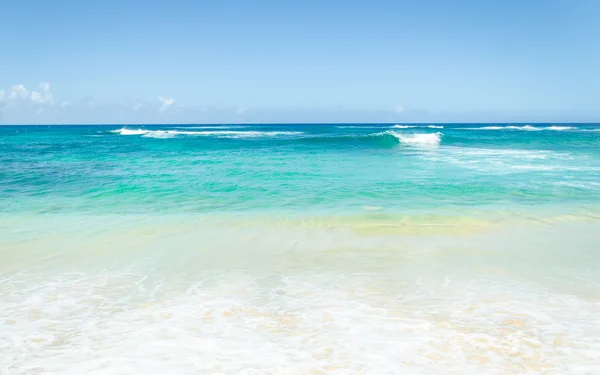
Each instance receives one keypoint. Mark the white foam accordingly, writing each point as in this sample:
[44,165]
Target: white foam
[358,127]
[215,133]
[526,127]
[487,128]
[422,139]
[291,302]
[522,128]
[560,128]
[212,127]
[510,127]
[498,152]
[248,134]
[589,185]
[417,126]
[125,131]
[125,323]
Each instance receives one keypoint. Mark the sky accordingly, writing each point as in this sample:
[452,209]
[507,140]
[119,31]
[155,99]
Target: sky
[223,61]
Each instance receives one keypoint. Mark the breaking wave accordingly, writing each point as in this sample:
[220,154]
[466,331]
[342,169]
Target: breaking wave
[385,138]
[424,139]
[214,133]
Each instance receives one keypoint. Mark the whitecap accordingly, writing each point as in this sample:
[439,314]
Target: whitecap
[215,133]
[560,128]
[247,134]
[358,127]
[522,128]
[510,127]
[125,131]
[422,139]
[417,126]
[211,127]
[487,128]
[526,127]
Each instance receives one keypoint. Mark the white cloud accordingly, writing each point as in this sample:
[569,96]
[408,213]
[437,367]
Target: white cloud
[45,96]
[45,86]
[241,110]
[2,95]
[36,97]
[399,109]
[166,102]
[18,91]
[64,103]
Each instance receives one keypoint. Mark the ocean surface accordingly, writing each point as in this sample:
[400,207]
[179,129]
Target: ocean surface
[300,249]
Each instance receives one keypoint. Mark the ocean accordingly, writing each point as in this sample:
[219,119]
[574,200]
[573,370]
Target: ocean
[300,249]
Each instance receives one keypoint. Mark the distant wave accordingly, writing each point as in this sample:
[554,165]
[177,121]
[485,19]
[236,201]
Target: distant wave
[523,128]
[417,126]
[386,138]
[211,127]
[358,127]
[246,134]
[526,127]
[560,128]
[215,133]
[125,131]
[424,139]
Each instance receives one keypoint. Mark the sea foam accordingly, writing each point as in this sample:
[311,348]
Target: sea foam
[417,126]
[125,131]
[422,139]
[523,128]
[206,133]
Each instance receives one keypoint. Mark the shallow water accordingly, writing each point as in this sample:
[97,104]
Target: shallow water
[374,249]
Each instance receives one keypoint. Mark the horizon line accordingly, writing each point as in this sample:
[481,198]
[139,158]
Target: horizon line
[311,123]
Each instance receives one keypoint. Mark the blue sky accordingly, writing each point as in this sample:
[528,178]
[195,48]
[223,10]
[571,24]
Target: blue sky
[299,61]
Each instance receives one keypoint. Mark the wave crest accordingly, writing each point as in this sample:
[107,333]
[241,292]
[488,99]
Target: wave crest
[421,139]
[125,131]
[524,128]
[214,133]
[417,126]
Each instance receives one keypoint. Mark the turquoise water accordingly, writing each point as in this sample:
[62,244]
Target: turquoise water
[297,168]
[300,249]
